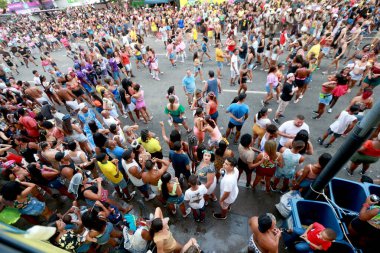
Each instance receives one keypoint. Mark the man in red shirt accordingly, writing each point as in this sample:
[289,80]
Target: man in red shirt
[124,58]
[316,237]
[29,124]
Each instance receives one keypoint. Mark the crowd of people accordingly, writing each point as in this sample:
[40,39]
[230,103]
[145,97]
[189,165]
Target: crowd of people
[61,136]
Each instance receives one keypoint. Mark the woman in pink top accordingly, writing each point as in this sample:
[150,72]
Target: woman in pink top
[212,128]
[272,82]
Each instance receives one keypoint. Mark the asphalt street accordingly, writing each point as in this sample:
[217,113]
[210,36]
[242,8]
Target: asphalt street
[230,235]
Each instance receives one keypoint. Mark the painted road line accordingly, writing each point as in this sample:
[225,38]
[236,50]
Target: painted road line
[248,91]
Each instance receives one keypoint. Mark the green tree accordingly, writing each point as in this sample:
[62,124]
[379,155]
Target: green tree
[3,4]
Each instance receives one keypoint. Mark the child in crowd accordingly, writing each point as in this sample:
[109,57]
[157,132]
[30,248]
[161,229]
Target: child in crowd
[195,197]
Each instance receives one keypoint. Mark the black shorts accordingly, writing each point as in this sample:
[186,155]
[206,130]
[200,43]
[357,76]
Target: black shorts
[365,229]
[300,83]
[242,166]
[78,93]
[232,125]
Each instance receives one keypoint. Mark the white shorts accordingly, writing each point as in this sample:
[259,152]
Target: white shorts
[42,99]
[212,187]
[234,74]
[267,53]
[73,105]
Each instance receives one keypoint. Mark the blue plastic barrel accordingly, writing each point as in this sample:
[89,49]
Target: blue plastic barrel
[306,212]
[372,189]
[348,195]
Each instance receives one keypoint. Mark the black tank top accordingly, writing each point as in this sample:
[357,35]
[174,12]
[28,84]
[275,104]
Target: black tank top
[28,154]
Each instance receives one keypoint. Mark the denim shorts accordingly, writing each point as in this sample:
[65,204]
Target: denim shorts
[116,75]
[219,64]
[280,173]
[325,98]
[268,89]
[122,184]
[33,208]
[175,200]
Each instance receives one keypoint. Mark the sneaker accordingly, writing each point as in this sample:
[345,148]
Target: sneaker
[218,216]
[276,121]
[320,141]
[151,196]
[273,189]
[124,116]
[188,211]
[327,145]
[296,101]
[362,173]
[215,199]
[262,103]
[349,172]
[301,96]
[316,117]
[247,185]
[281,116]
[315,112]
[329,110]
[131,196]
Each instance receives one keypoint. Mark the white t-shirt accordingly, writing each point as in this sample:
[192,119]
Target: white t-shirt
[344,120]
[263,122]
[229,184]
[111,120]
[37,80]
[288,127]
[195,198]
[234,62]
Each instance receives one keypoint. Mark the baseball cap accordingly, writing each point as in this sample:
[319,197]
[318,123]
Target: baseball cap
[289,75]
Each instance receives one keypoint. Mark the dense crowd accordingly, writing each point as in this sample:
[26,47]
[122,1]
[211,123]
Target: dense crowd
[62,135]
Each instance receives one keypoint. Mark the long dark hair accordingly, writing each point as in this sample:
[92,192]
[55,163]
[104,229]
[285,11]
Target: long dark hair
[156,226]
[302,135]
[93,127]
[36,174]
[222,146]
[11,190]
[144,135]
[262,112]
[67,127]
[165,179]
[91,220]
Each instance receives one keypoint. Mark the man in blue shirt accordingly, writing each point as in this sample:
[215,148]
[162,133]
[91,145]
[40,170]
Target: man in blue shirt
[238,114]
[188,84]
[180,160]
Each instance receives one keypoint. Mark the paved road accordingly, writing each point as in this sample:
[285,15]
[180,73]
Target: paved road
[230,235]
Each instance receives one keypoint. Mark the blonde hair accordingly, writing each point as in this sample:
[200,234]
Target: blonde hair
[270,148]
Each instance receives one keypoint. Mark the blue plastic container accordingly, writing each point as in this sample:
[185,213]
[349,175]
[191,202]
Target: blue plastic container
[372,189]
[306,212]
[348,195]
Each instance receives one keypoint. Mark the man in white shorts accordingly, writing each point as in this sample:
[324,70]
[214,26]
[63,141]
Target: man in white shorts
[234,67]
[228,187]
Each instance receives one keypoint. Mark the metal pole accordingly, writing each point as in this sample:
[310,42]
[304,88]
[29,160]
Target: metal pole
[354,141]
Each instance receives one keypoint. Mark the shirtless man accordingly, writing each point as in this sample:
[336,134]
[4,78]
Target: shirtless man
[218,30]
[35,93]
[153,174]
[68,98]
[265,235]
